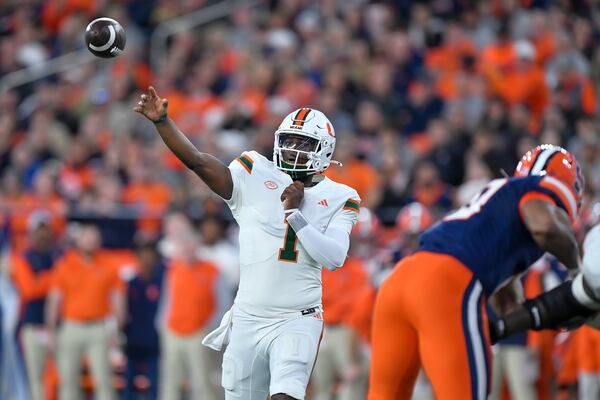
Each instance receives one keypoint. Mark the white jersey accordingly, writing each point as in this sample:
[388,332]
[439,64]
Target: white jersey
[277,276]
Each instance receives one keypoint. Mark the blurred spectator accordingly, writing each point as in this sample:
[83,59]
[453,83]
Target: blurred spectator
[589,366]
[523,82]
[13,377]
[429,101]
[192,304]
[174,223]
[86,291]
[340,359]
[542,359]
[31,272]
[218,250]
[448,146]
[422,106]
[428,188]
[355,172]
[412,220]
[515,364]
[143,298]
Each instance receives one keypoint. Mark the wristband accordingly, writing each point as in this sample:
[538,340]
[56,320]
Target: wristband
[291,210]
[296,220]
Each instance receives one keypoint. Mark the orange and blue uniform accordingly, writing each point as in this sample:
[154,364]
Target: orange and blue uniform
[431,309]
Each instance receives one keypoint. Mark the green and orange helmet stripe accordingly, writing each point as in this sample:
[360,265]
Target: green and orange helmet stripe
[300,116]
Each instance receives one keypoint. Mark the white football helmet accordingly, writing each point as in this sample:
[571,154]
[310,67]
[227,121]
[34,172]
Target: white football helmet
[304,143]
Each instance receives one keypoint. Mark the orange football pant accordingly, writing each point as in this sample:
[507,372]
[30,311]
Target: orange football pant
[430,312]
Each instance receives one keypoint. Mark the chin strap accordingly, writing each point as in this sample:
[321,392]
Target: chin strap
[336,163]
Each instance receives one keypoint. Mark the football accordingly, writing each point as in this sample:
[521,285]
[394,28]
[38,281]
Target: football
[105,38]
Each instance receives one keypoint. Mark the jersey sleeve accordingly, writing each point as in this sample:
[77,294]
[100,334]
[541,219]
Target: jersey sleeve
[240,168]
[347,216]
[553,191]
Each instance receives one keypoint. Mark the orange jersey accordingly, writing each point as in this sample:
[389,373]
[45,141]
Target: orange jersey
[356,174]
[360,317]
[30,285]
[153,199]
[86,285]
[192,296]
[340,288]
[22,208]
[588,353]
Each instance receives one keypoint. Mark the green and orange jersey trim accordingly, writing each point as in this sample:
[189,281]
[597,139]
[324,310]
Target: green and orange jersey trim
[352,205]
[246,161]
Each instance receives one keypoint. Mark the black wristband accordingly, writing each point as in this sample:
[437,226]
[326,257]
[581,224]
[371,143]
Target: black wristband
[162,118]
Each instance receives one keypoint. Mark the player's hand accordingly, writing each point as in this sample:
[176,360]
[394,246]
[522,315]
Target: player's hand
[508,298]
[151,106]
[292,195]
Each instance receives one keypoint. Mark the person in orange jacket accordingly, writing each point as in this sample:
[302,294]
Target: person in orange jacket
[195,295]
[86,293]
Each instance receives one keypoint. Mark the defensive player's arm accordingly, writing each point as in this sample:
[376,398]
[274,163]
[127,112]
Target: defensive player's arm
[568,304]
[212,171]
[550,227]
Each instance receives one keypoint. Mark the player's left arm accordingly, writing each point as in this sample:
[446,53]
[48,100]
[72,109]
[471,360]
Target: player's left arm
[551,229]
[328,248]
[572,301]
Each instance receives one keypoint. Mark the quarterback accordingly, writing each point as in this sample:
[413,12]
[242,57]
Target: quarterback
[293,220]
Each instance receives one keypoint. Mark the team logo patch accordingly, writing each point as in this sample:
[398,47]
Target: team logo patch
[271,185]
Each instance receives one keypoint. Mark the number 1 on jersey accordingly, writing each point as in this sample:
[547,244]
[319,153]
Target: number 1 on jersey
[288,252]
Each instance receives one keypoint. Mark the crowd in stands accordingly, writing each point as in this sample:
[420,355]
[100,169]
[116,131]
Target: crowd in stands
[430,101]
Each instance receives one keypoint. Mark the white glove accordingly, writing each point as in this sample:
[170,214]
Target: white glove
[591,260]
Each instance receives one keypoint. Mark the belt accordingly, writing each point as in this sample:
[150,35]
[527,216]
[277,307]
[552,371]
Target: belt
[317,312]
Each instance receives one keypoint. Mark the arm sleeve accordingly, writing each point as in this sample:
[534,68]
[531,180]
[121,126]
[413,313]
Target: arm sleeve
[240,168]
[30,285]
[562,195]
[328,248]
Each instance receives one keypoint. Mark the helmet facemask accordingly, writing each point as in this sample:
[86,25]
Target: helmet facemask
[295,154]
